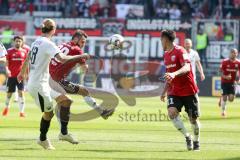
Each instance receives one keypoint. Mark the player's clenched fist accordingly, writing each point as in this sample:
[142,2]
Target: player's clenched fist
[169,77]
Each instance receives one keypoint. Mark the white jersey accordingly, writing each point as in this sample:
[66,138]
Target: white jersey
[194,57]
[3,51]
[42,51]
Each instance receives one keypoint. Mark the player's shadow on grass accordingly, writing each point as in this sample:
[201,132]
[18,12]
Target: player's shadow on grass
[15,140]
[235,158]
[218,118]
[157,142]
[124,151]
[104,158]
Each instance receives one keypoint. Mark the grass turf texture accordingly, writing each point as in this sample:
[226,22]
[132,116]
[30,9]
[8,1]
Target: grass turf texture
[121,138]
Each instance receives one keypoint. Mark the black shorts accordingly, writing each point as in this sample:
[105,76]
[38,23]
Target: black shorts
[69,87]
[12,83]
[190,103]
[228,88]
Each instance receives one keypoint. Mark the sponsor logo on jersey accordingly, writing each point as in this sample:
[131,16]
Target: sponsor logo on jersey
[171,66]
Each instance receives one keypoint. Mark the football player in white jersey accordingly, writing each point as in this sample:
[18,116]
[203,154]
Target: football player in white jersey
[42,51]
[3,52]
[194,58]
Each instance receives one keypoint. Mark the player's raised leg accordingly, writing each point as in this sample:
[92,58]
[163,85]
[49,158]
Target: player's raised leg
[105,113]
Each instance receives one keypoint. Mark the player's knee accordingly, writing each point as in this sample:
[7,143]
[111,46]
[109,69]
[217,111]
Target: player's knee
[63,100]
[48,115]
[231,98]
[224,98]
[193,120]
[172,113]
[20,94]
[66,102]
[84,92]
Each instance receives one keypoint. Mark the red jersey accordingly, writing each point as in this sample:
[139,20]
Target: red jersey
[229,67]
[26,47]
[15,58]
[59,70]
[183,85]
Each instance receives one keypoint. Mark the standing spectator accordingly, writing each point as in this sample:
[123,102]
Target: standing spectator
[174,12]
[7,34]
[112,9]
[202,43]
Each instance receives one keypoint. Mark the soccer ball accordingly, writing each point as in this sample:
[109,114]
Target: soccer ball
[116,41]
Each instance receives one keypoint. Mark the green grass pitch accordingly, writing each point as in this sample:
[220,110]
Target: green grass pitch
[121,138]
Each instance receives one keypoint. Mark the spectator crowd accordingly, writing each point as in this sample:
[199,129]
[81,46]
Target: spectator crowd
[171,9]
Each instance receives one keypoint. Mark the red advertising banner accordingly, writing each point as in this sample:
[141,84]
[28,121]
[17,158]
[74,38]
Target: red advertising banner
[18,27]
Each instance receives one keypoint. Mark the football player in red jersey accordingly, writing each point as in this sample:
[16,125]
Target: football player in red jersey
[27,48]
[180,88]
[229,68]
[14,61]
[59,72]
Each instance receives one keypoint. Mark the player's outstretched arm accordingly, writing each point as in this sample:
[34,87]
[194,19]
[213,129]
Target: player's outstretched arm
[24,68]
[63,58]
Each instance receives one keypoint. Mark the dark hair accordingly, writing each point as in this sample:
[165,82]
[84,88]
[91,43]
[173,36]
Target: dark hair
[18,37]
[169,34]
[47,25]
[79,33]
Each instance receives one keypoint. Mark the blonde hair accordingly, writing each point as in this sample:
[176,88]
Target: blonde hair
[47,25]
[188,40]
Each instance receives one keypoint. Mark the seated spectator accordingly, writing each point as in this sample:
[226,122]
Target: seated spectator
[21,6]
[112,9]
[161,11]
[94,9]
[174,12]
[131,14]
[186,11]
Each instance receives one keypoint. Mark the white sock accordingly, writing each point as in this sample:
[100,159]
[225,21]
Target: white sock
[16,96]
[178,123]
[92,103]
[21,104]
[223,105]
[196,130]
[7,102]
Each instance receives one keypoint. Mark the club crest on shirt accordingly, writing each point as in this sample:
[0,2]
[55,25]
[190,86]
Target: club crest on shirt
[173,58]
[236,65]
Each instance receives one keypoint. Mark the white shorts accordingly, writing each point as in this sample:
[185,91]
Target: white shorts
[43,96]
[57,88]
